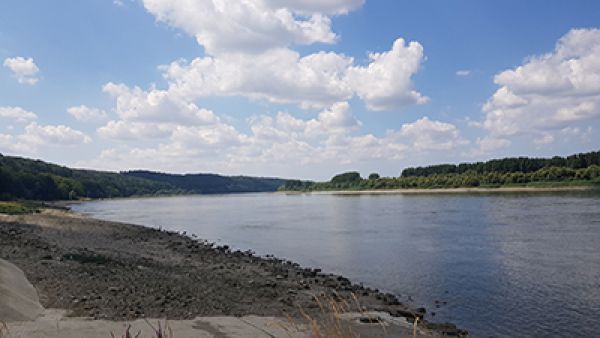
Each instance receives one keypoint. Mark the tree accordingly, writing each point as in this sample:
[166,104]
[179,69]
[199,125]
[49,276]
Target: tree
[347,177]
[374,176]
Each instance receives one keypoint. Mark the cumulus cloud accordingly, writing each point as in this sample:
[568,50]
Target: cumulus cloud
[12,144]
[153,105]
[322,6]
[247,53]
[335,120]
[463,72]
[87,114]
[549,92]
[277,75]
[488,144]
[53,134]
[35,136]
[328,137]
[127,130]
[386,82]
[315,80]
[17,114]
[249,26]
[23,69]
[428,135]
[153,113]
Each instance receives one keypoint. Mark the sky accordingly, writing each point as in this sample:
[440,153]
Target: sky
[297,89]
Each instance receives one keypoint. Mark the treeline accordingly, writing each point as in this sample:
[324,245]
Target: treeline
[211,183]
[27,179]
[508,165]
[22,178]
[582,169]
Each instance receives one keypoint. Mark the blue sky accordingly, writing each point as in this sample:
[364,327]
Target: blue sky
[288,88]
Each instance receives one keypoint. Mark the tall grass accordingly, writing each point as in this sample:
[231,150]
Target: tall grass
[329,322]
[158,331]
[4,333]
[18,208]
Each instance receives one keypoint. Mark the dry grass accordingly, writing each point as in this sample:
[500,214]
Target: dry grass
[4,333]
[329,322]
[415,327]
[159,331]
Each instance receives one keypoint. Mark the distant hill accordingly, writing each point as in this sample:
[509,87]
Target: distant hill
[210,183]
[22,178]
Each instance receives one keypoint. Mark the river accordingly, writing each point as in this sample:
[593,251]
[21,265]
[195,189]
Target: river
[496,264]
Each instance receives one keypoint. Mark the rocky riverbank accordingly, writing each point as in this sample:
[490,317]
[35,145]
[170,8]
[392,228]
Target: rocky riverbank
[116,271]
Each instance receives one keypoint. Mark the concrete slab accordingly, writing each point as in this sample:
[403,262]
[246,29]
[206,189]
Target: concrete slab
[53,324]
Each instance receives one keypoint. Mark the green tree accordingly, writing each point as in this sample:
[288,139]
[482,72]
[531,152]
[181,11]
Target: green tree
[374,176]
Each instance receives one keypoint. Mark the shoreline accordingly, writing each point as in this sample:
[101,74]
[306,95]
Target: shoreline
[114,271]
[447,190]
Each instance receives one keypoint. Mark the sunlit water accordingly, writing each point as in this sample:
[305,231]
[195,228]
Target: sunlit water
[505,264]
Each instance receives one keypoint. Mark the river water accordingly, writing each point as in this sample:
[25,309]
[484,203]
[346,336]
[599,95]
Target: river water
[500,264]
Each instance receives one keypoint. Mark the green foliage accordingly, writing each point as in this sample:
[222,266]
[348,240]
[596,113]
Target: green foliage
[211,183]
[374,176]
[27,179]
[18,208]
[581,169]
[508,165]
[349,177]
[296,185]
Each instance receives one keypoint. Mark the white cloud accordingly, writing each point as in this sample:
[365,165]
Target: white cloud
[315,80]
[53,134]
[427,135]
[249,26]
[135,104]
[277,75]
[489,144]
[24,70]
[386,82]
[17,114]
[332,139]
[485,146]
[11,144]
[335,120]
[544,138]
[87,114]
[549,92]
[463,72]
[247,53]
[126,130]
[321,6]
[151,114]
[327,138]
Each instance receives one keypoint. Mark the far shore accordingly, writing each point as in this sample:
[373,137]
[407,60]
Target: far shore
[447,190]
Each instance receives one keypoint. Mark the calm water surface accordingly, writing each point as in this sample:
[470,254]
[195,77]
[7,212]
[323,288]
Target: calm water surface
[506,264]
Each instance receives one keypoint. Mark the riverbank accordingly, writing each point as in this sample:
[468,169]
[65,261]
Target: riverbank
[115,271]
[450,190]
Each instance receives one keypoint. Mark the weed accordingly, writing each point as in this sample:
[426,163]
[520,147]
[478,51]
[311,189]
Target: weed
[158,332]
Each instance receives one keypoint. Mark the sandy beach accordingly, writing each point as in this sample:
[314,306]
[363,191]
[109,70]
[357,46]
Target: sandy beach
[114,271]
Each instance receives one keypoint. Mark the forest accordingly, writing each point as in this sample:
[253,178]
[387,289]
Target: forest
[211,183]
[27,179]
[574,170]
